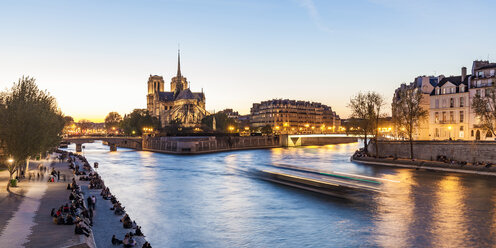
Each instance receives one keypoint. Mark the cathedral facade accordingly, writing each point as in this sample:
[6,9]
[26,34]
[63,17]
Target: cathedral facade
[178,104]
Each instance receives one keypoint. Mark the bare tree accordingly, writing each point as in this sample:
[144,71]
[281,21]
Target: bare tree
[407,112]
[485,109]
[363,109]
[377,101]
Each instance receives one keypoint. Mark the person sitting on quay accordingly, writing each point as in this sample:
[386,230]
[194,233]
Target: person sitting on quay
[116,241]
[79,229]
[138,231]
[146,245]
[126,222]
[128,241]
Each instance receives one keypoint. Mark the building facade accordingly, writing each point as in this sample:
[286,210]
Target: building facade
[449,102]
[483,77]
[450,108]
[426,85]
[294,117]
[179,104]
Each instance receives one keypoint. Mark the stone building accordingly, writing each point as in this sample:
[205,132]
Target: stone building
[426,84]
[450,103]
[180,103]
[449,108]
[291,116]
[483,77]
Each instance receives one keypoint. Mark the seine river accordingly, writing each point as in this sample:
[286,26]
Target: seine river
[211,201]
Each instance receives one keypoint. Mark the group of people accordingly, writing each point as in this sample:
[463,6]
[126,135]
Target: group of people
[82,216]
[129,240]
[74,212]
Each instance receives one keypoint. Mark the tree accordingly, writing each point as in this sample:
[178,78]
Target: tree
[267,129]
[84,125]
[30,123]
[407,112]
[222,122]
[133,123]
[68,120]
[112,120]
[363,110]
[485,109]
[377,102]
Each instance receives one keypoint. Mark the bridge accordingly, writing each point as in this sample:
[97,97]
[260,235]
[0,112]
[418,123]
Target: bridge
[112,141]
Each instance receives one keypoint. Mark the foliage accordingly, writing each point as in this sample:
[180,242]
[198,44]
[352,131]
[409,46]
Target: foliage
[407,112]
[267,130]
[485,109]
[30,122]
[68,120]
[173,127]
[112,120]
[84,125]
[365,109]
[222,122]
[133,123]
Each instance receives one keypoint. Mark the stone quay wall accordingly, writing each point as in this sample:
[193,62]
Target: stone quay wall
[196,145]
[468,151]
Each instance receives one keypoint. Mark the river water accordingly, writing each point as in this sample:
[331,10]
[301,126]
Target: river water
[212,201]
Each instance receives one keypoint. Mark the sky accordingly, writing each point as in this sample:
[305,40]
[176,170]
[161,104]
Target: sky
[95,56]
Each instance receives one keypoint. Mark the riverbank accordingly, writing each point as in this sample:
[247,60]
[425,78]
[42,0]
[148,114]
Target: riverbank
[106,222]
[427,165]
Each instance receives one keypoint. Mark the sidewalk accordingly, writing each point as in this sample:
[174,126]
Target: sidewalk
[25,219]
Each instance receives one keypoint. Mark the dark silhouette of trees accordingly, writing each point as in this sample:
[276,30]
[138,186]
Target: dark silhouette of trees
[112,121]
[133,123]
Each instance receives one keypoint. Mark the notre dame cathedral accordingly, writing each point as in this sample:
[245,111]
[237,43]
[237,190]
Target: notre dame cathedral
[177,104]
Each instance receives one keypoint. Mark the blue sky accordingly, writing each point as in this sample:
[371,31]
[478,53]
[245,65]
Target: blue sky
[96,56]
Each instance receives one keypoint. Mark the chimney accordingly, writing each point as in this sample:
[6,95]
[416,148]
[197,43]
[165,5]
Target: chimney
[464,73]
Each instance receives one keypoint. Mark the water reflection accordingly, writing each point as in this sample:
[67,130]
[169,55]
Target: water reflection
[213,201]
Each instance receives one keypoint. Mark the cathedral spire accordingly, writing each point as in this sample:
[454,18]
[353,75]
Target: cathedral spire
[178,63]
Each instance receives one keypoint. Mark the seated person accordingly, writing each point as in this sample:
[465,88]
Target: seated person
[138,231]
[116,241]
[146,245]
[81,230]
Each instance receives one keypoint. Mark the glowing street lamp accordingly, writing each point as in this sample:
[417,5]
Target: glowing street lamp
[11,160]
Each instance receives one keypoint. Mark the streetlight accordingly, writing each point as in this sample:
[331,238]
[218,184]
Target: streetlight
[11,160]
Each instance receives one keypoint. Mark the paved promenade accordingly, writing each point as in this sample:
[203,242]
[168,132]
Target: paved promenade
[25,219]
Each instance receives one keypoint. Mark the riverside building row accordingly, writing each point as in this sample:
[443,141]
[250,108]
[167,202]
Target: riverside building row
[449,103]
[294,117]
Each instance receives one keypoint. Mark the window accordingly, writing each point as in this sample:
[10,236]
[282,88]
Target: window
[480,74]
[436,117]
[444,116]
[452,116]
[462,88]
[478,83]
[462,116]
[437,132]
[437,103]
[472,133]
[491,73]
[461,134]
[477,93]
[452,102]
[462,101]
[453,90]
[487,92]
[437,91]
